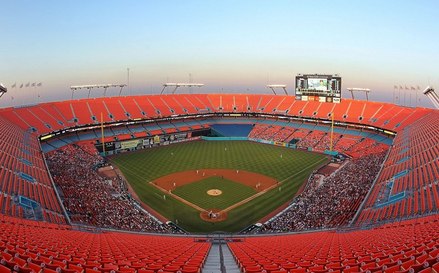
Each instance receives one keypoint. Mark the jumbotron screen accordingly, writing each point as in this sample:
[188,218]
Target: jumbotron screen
[318,87]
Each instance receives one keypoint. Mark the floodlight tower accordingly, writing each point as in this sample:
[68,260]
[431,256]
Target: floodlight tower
[276,86]
[356,89]
[93,86]
[180,84]
[3,90]
[431,94]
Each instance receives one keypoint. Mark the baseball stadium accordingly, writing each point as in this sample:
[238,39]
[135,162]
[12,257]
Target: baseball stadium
[203,165]
[178,180]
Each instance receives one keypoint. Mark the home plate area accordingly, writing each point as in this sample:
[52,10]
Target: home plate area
[213,215]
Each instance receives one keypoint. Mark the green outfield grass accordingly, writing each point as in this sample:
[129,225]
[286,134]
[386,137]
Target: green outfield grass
[232,192]
[291,166]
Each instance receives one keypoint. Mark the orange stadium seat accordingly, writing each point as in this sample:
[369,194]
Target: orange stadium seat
[400,168]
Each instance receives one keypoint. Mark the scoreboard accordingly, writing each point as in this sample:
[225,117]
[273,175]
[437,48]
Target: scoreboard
[318,87]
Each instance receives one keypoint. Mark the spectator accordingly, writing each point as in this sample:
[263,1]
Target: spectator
[91,199]
[330,202]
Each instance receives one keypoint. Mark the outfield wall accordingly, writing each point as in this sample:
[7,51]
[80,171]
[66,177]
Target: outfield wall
[223,138]
[276,143]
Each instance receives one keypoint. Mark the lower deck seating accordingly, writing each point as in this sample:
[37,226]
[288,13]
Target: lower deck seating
[409,246]
[90,199]
[29,246]
[318,139]
[331,201]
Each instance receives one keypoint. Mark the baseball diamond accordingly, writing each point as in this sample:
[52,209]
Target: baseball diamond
[255,180]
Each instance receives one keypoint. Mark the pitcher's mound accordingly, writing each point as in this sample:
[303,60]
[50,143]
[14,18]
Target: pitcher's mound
[214,192]
[213,215]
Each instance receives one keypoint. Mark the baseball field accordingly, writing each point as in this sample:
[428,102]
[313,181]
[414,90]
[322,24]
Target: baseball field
[207,186]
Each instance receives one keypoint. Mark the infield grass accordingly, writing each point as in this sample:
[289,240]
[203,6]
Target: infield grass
[289,166]
[232,192]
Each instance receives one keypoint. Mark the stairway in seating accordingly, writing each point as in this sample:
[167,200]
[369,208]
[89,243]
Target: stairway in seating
[229,262]
[220,259]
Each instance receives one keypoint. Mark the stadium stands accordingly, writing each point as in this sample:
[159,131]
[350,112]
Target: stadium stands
[409,246]
[87,111]
[406,187]
[47,117]
[26,188]
[90,198]
[28,246]
[318,138]
[411,172]
[329,202]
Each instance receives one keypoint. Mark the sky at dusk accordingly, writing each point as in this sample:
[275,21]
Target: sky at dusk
[231,46]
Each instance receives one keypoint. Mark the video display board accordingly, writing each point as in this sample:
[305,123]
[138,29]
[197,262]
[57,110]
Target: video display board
[318,87]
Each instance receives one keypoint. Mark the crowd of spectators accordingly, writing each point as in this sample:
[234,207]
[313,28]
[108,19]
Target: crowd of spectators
[263,131]
[329,202]
[311,140]
[272,132]
[92,199]
[354,146]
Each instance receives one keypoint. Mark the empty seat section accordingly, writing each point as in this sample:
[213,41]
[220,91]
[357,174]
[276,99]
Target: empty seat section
[401,246]
[65,109]
[43,246]
[310,108]
[324,109]
[82,112]
[285,105]
[116,109]
[341,110]
[202,102]
[253,102]
[174,105]
[160,105]
[240,103]
[295,107]
[99,111]
[408,171]
[147,107]
[132,107]
[30,117]
[355,112]
[54,121]
[385,113]
[371,110]
[220,103]
[262,103]
[273,105]
[188,103]
[50,109]
[24,175]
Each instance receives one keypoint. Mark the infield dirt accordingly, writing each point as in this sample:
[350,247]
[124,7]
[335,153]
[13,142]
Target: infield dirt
[258,181]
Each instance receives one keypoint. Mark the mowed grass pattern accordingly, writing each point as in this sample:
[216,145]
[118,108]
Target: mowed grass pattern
[232,192]
[291,166]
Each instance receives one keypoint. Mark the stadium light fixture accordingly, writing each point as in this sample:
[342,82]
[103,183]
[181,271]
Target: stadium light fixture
[357,89]
[180,84]
[89,87]
[431,94]
[3,90]
[273,87]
